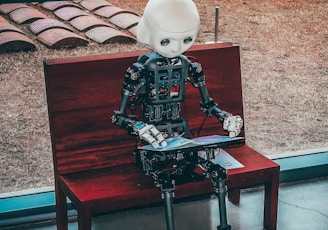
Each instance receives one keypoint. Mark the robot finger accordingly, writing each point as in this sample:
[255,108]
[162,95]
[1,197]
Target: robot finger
[233,125]
[225,124]
[240,122]
[158,136]
[144,129]
[150,139]
[233,134]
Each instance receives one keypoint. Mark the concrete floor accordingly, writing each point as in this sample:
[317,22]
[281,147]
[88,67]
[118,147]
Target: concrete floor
[302,205]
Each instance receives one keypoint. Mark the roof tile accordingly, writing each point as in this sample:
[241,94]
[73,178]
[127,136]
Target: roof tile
[68,13]
[14,41]
[125,20]
[60,38]
[105,35]
[47,23]
[26,15]
[110,11]
[5,27]
[94,5]
[7,8]
[55,5]
[84,23]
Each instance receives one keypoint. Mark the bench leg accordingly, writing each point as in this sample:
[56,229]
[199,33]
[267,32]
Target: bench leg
[271,203]
[84,219]
[234,196]
[61,208]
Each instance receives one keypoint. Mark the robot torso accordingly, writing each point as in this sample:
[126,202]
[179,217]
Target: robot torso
[163,91]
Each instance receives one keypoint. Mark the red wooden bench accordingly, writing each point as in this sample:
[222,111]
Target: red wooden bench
[93,162]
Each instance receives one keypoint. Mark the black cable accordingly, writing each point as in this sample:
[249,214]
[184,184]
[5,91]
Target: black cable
[201,126]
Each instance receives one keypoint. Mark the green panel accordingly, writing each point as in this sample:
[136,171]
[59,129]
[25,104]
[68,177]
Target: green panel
[21,203]
[305,161]
[303,167]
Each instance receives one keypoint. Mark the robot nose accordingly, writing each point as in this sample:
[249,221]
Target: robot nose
[175,47]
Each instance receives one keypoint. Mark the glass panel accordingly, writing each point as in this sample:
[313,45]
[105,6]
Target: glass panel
[284,78]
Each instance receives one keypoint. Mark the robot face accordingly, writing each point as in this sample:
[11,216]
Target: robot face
[170,27]
[172,44]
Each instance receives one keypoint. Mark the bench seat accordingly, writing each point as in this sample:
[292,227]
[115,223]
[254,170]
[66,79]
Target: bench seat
[93,161]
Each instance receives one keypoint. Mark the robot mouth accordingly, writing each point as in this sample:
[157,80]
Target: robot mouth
[175,54]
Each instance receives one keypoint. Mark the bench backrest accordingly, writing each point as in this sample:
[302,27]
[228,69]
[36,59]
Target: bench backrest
[83,92]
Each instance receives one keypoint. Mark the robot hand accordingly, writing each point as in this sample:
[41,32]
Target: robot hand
[150,134]
[233,125]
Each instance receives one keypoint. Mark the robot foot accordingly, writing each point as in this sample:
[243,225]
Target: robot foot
[225,227]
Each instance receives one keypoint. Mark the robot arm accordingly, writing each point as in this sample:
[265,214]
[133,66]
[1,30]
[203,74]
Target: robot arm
[232,124]
[132,84]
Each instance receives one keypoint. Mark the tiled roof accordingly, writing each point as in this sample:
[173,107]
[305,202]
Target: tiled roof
[60,24]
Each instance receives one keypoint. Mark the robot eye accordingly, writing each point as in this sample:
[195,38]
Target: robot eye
[165,42]
[187,40]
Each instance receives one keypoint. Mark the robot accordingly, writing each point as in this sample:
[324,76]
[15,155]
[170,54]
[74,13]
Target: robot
[157,81]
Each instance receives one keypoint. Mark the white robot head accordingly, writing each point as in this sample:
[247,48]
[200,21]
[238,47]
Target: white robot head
[170,27]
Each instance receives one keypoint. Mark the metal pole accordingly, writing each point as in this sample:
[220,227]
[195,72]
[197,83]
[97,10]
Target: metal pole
[216,29]
[168,198]
[222,207]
